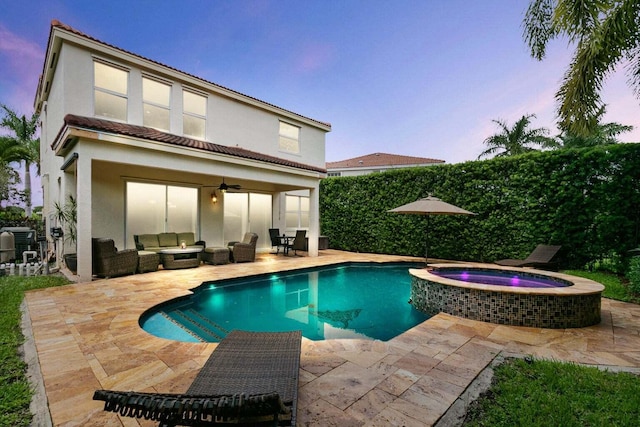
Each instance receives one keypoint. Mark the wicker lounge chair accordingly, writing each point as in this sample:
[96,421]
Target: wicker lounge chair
[541,257]
[250,379]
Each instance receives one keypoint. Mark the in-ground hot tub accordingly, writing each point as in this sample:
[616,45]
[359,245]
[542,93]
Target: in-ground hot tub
[507,295]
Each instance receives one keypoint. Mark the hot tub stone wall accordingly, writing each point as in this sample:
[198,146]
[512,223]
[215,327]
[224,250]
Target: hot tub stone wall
[506,308]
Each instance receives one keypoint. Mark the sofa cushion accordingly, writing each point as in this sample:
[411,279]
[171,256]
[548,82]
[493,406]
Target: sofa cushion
[168,239]
[148,240]
[189,238]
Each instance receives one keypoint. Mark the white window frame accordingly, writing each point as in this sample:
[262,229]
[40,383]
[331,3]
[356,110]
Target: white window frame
[286,143]
[110,92]
[192,114]
[297,211]
[166,107]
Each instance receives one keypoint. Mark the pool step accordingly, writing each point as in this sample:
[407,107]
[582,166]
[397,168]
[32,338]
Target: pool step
[203,328]
[209,322]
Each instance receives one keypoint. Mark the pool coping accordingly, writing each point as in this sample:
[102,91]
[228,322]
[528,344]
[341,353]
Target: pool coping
[580,286]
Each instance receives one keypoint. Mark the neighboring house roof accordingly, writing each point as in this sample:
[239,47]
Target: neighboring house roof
[224,90]
[378,160]
[118,128]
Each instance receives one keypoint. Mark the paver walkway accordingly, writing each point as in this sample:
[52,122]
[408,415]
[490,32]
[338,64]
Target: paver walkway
[87,337]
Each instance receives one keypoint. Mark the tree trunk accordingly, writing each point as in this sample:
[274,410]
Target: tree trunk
[27,188]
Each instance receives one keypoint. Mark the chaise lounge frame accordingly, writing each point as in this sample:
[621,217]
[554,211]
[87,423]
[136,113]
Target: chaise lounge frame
[541,257]
[251,378]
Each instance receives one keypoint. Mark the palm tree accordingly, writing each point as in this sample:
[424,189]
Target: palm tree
[22,146]
[606,33]
[517,139]
[603,134]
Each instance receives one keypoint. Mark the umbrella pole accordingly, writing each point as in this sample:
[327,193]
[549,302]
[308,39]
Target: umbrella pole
[426,244]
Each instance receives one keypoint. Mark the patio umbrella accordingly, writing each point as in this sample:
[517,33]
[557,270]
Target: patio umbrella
[430,206]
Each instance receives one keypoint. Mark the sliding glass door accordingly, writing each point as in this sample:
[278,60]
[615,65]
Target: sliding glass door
[244,212]
[157,208]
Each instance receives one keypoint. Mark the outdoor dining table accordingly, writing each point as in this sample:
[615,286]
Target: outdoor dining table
[286,242]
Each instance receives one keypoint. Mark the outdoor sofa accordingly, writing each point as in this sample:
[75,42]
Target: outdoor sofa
[160,241]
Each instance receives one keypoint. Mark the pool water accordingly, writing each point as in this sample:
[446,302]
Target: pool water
[354,300]
[500,278]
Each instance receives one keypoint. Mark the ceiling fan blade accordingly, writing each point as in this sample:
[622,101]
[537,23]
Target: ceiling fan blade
[224,186]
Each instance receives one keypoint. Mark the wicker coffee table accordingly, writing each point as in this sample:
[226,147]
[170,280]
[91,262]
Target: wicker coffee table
[176,258]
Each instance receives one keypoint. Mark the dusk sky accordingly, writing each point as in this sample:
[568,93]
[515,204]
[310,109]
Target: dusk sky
[421,78]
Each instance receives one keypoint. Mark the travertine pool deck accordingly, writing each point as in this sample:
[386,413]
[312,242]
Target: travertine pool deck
[87,337]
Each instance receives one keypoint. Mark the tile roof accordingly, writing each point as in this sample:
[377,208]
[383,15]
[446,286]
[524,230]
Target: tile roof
[117,128]
[57,24]
[381,160]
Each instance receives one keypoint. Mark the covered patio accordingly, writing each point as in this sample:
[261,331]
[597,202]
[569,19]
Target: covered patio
[87,337]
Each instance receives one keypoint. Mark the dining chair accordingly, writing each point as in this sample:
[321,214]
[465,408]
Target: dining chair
[276,240]
[299,243]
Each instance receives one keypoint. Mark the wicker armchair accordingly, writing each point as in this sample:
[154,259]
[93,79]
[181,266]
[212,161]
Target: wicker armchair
[109,261]
[245,251]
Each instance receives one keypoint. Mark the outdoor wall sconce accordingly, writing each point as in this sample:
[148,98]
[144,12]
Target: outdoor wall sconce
[214,198]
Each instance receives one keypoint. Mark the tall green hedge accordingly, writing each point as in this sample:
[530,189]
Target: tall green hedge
[586,200]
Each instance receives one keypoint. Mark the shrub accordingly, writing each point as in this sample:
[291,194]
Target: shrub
[583,199]
[634,275]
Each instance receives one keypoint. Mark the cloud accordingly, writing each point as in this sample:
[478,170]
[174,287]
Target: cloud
[21,64]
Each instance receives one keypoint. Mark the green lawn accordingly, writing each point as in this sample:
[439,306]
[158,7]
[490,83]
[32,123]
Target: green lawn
[547,393]
[614,287]
[15,392]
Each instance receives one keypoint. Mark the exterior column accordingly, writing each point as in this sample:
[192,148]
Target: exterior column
[83,196]
[314,219]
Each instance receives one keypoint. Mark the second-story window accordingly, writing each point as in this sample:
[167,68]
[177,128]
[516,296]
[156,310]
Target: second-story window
[110,91]
[289,138]
[194,117]
[156,101]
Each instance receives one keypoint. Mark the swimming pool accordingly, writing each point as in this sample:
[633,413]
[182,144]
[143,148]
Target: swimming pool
[352,300]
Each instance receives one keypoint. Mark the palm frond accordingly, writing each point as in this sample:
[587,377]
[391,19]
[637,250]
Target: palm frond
[605,32]
[538,29]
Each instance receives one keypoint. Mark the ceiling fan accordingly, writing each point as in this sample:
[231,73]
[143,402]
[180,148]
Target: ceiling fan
[224,186]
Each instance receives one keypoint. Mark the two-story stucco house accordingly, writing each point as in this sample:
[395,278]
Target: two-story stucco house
[144,148]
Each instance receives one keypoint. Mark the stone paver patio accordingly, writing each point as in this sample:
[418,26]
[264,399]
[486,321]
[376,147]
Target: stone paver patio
[87,337]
